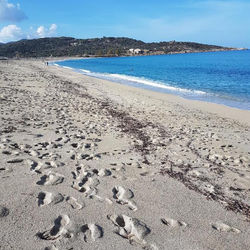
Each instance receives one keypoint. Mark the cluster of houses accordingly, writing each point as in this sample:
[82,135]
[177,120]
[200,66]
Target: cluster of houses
[138,51]
[134,52]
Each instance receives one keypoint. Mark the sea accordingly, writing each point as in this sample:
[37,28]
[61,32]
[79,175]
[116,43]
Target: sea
[218,77]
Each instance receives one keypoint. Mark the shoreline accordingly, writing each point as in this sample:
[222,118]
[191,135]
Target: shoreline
[242,115]
[161,54]
[88,163]
[174,53]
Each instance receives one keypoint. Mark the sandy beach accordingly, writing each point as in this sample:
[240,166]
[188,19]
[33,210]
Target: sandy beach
[91,164]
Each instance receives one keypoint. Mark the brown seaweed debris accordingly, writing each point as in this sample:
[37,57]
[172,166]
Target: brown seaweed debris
[229,204]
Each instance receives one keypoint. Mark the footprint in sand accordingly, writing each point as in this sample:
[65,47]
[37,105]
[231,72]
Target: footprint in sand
[15,161]
[51,248]
[80,172]
[222,227]
[132,229]
[51,179]
[92,232]
[73,202]
[45,198]
[173,223]
[33,153]
[104,172]
[57,230]
[87,186]
[4,211]
[5,170]
[34,166]
[6,152]
[84,182]
[123,196]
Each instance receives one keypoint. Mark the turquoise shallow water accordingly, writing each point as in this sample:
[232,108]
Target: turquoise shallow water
[220,77]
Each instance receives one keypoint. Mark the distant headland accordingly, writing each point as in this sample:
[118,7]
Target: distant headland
[100,47]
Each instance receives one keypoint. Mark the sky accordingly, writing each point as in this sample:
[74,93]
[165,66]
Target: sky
[222,22]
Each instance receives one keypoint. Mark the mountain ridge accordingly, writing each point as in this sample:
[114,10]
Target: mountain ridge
[105,46]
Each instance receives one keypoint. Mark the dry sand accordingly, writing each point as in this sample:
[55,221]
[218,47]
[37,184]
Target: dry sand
[90,164]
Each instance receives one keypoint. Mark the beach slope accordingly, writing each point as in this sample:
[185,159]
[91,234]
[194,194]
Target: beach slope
[90,164]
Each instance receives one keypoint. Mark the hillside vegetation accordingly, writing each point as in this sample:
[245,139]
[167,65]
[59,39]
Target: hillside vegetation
[106,46]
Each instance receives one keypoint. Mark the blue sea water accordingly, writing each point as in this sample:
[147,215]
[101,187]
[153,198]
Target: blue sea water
[219,77]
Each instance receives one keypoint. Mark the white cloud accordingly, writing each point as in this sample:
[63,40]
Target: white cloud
[11,12]
[11,33]
[45,32]
[41,31]
[53,28]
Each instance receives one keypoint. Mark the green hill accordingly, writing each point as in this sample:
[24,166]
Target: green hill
[106,46]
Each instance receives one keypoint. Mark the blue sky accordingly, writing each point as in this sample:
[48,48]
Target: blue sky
[223,22]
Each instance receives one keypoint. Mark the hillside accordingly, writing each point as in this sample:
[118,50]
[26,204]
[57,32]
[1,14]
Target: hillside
[106,46]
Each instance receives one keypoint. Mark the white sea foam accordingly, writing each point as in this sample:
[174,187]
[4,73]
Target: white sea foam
[67,67]
[140,80]
[155,83]
[167,86]
[85,71]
